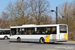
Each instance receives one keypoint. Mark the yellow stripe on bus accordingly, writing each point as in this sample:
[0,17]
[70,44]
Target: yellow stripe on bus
[65,37]
[47,39]
[9,36]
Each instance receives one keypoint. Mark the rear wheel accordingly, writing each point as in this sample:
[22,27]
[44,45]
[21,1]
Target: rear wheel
[42,40]
[18,39]
[5,37]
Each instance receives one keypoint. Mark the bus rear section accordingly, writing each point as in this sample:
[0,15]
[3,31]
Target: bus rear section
[63,33]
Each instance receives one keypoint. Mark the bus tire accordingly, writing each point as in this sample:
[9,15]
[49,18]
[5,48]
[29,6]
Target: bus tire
[5,37]
[18,39]
[42,41]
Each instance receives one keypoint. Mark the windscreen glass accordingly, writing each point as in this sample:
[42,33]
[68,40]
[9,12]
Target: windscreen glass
[63,29]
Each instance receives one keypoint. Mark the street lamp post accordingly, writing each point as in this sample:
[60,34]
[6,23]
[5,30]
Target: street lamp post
[56,14]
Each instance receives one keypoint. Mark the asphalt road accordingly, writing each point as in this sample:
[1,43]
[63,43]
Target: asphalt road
[6,45]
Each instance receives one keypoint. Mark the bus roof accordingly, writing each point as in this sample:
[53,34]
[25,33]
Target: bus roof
[33,25]
[4,29]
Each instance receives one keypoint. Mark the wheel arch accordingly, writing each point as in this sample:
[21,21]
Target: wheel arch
[18,38]
[41,38]
[5,36]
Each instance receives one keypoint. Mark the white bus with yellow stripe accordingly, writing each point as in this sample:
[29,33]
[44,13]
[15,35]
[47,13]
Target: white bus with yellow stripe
[40,33]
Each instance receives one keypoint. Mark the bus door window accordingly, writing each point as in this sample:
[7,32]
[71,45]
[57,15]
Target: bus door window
[13,31]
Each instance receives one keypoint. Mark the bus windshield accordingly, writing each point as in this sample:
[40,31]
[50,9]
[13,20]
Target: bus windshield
[63,28]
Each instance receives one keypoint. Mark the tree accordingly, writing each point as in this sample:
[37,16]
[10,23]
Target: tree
[18,12]
[39,9]
[22,10]
[4,20]
[0,22]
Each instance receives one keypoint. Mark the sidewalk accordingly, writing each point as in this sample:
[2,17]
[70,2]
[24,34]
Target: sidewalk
[70,41]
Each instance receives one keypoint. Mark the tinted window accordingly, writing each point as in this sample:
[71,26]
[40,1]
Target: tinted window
[4,32]
[22,31]
[37,31]
[46,30]
[13,31]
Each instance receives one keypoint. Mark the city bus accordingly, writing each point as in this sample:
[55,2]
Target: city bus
[4,34]
[40,33]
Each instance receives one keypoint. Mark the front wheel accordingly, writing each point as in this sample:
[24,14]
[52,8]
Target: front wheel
[42,41]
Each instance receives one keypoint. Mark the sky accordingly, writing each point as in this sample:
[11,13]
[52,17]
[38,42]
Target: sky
[53,4]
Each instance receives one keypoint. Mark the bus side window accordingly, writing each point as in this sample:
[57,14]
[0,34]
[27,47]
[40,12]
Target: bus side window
[54,30]
[48,32]
[17,33]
